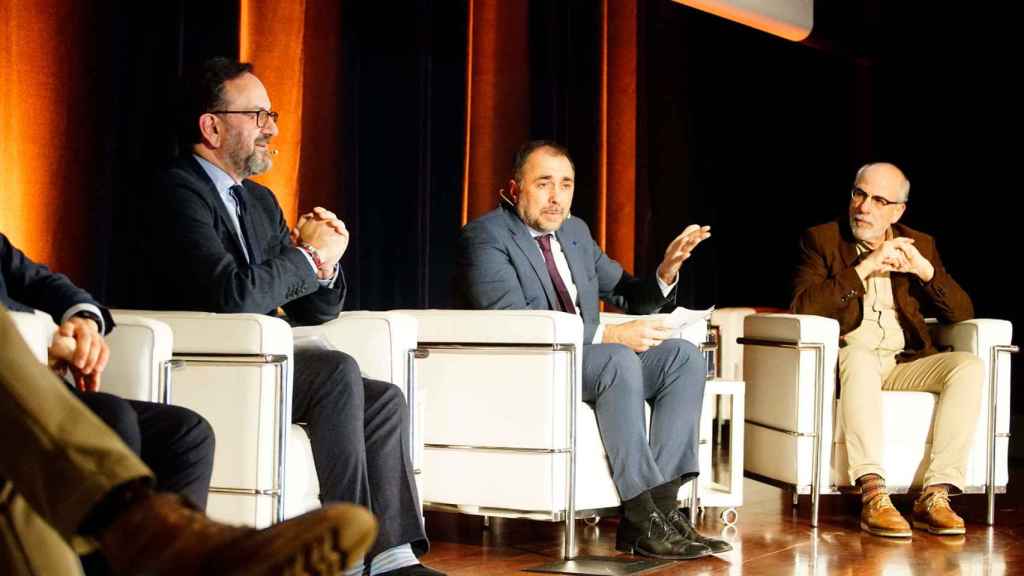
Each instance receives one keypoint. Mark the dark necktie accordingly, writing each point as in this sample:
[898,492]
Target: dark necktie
[564,300]
[238,193]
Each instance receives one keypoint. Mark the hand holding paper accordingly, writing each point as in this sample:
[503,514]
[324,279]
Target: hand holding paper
[681,317]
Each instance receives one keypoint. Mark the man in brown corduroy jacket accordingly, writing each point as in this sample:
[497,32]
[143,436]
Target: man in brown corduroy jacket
[878,278]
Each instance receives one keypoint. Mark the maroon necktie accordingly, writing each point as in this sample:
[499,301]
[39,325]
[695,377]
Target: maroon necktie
[564,300]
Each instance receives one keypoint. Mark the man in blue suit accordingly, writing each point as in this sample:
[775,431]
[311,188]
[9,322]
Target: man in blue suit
[531,254]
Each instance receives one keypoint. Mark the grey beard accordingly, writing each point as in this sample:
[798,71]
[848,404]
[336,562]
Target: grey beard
[255,163]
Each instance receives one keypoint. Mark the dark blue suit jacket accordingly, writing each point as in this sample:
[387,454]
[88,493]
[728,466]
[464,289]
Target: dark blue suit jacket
[500,266]
[199,263]
[26,285]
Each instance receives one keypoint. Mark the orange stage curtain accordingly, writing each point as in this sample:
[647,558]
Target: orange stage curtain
[497,100]
[295,48]
[47,130]
[615,226]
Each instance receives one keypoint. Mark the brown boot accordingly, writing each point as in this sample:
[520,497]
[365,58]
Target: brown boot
[162,535]
[932,513]
[879,517]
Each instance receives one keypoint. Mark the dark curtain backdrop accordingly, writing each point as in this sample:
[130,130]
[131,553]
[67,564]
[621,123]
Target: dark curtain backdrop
[757,136]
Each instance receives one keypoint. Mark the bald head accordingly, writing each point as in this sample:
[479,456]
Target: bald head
[886,175]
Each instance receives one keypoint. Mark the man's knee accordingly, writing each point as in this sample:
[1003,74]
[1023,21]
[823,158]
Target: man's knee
[683,353]
[345,367]
[622,369]
[966,367]
[344,382]
[201,432]
[621,359]
[118,415]
[194,432]
[391,399]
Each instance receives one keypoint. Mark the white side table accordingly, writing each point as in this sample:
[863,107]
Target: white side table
[725,493]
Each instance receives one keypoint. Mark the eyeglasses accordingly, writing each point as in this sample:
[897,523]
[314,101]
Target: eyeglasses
[859,196]
[261,115]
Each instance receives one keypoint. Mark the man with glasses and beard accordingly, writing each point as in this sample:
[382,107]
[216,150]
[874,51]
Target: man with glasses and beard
[223,245]
[876,277]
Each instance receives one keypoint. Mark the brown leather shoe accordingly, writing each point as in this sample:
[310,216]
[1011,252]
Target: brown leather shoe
[163,535]
[881,518]
[932,513]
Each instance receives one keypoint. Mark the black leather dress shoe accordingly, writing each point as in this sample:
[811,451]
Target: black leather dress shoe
[657,538]
[682,525]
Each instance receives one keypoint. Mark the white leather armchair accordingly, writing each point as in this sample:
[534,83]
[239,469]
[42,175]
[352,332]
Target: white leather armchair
[790,371]
[506,432]
[237,373]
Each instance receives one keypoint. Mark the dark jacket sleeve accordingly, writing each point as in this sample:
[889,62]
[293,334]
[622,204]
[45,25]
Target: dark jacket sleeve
[27,285]
[816,289]
[942,296]
[202,270]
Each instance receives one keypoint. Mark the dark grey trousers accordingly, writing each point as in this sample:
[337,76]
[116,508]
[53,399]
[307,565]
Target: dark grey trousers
[617,382]
[359,429]
[176,443]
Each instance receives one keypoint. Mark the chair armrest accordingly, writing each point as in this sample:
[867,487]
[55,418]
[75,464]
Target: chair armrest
[792,328]
[497,326]
[36,328]
[379,341]
[488,369]
[245,395]
[976,336]
[209,333]
[789,365]
[780,368]
[140,349]
[979,337]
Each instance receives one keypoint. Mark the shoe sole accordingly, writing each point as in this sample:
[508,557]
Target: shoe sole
[940,531]
[638,552]
[886,533]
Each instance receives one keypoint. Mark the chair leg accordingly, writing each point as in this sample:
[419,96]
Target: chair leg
[694,500]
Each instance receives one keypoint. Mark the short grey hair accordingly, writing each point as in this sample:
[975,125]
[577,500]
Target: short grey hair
[904,187]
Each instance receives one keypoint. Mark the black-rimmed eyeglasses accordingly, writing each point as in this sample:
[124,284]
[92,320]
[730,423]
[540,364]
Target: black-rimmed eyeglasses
[261,115]
[859,196]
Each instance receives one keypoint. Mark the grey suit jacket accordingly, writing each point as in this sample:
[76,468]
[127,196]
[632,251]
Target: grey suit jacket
[500,267]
